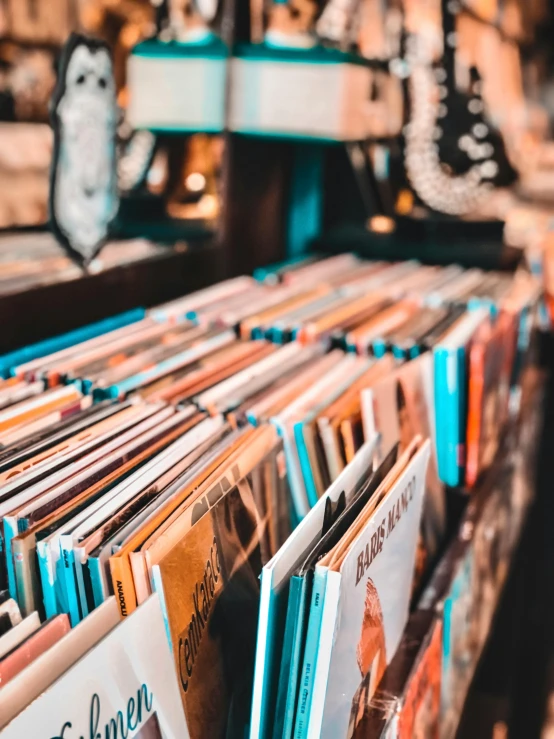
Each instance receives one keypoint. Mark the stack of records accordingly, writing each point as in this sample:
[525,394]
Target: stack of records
[265,462]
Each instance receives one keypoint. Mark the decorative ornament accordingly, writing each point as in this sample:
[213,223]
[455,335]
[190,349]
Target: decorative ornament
[83,185]
[137,149]
[453,171]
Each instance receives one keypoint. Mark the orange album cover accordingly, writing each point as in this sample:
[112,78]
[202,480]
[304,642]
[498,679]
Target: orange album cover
[490,367]
[420,712]
[120,565]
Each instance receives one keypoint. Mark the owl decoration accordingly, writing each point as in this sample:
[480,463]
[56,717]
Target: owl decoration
[83,188]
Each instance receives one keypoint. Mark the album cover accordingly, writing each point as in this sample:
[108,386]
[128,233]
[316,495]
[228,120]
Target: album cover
[124,683]
[210,594]
[364,609]
[122,572]
[407,702]
[36,643]
[98,558]
[273,643]
[450,358]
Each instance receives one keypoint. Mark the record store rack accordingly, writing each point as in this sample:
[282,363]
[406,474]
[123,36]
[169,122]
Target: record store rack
[500,525]
[499,673]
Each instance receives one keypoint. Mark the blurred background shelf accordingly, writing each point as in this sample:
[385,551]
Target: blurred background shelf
[66,299]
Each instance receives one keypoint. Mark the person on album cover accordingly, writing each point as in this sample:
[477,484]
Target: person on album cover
[370,653]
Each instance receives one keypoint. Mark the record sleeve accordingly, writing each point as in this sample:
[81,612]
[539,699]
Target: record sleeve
[36,644]
[450,358]
[364,608]
[18,634]
[210,593]
[120,564]
[124,683]
[273,644]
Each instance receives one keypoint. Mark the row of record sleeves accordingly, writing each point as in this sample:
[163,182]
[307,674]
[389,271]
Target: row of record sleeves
[121,687]
[423,692]
[178,352]
[265,462]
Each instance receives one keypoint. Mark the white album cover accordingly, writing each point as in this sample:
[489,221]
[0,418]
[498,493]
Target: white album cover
[125,686]
[366,606]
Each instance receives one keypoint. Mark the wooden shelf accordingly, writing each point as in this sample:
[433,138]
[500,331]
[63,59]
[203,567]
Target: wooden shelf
[39,313]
